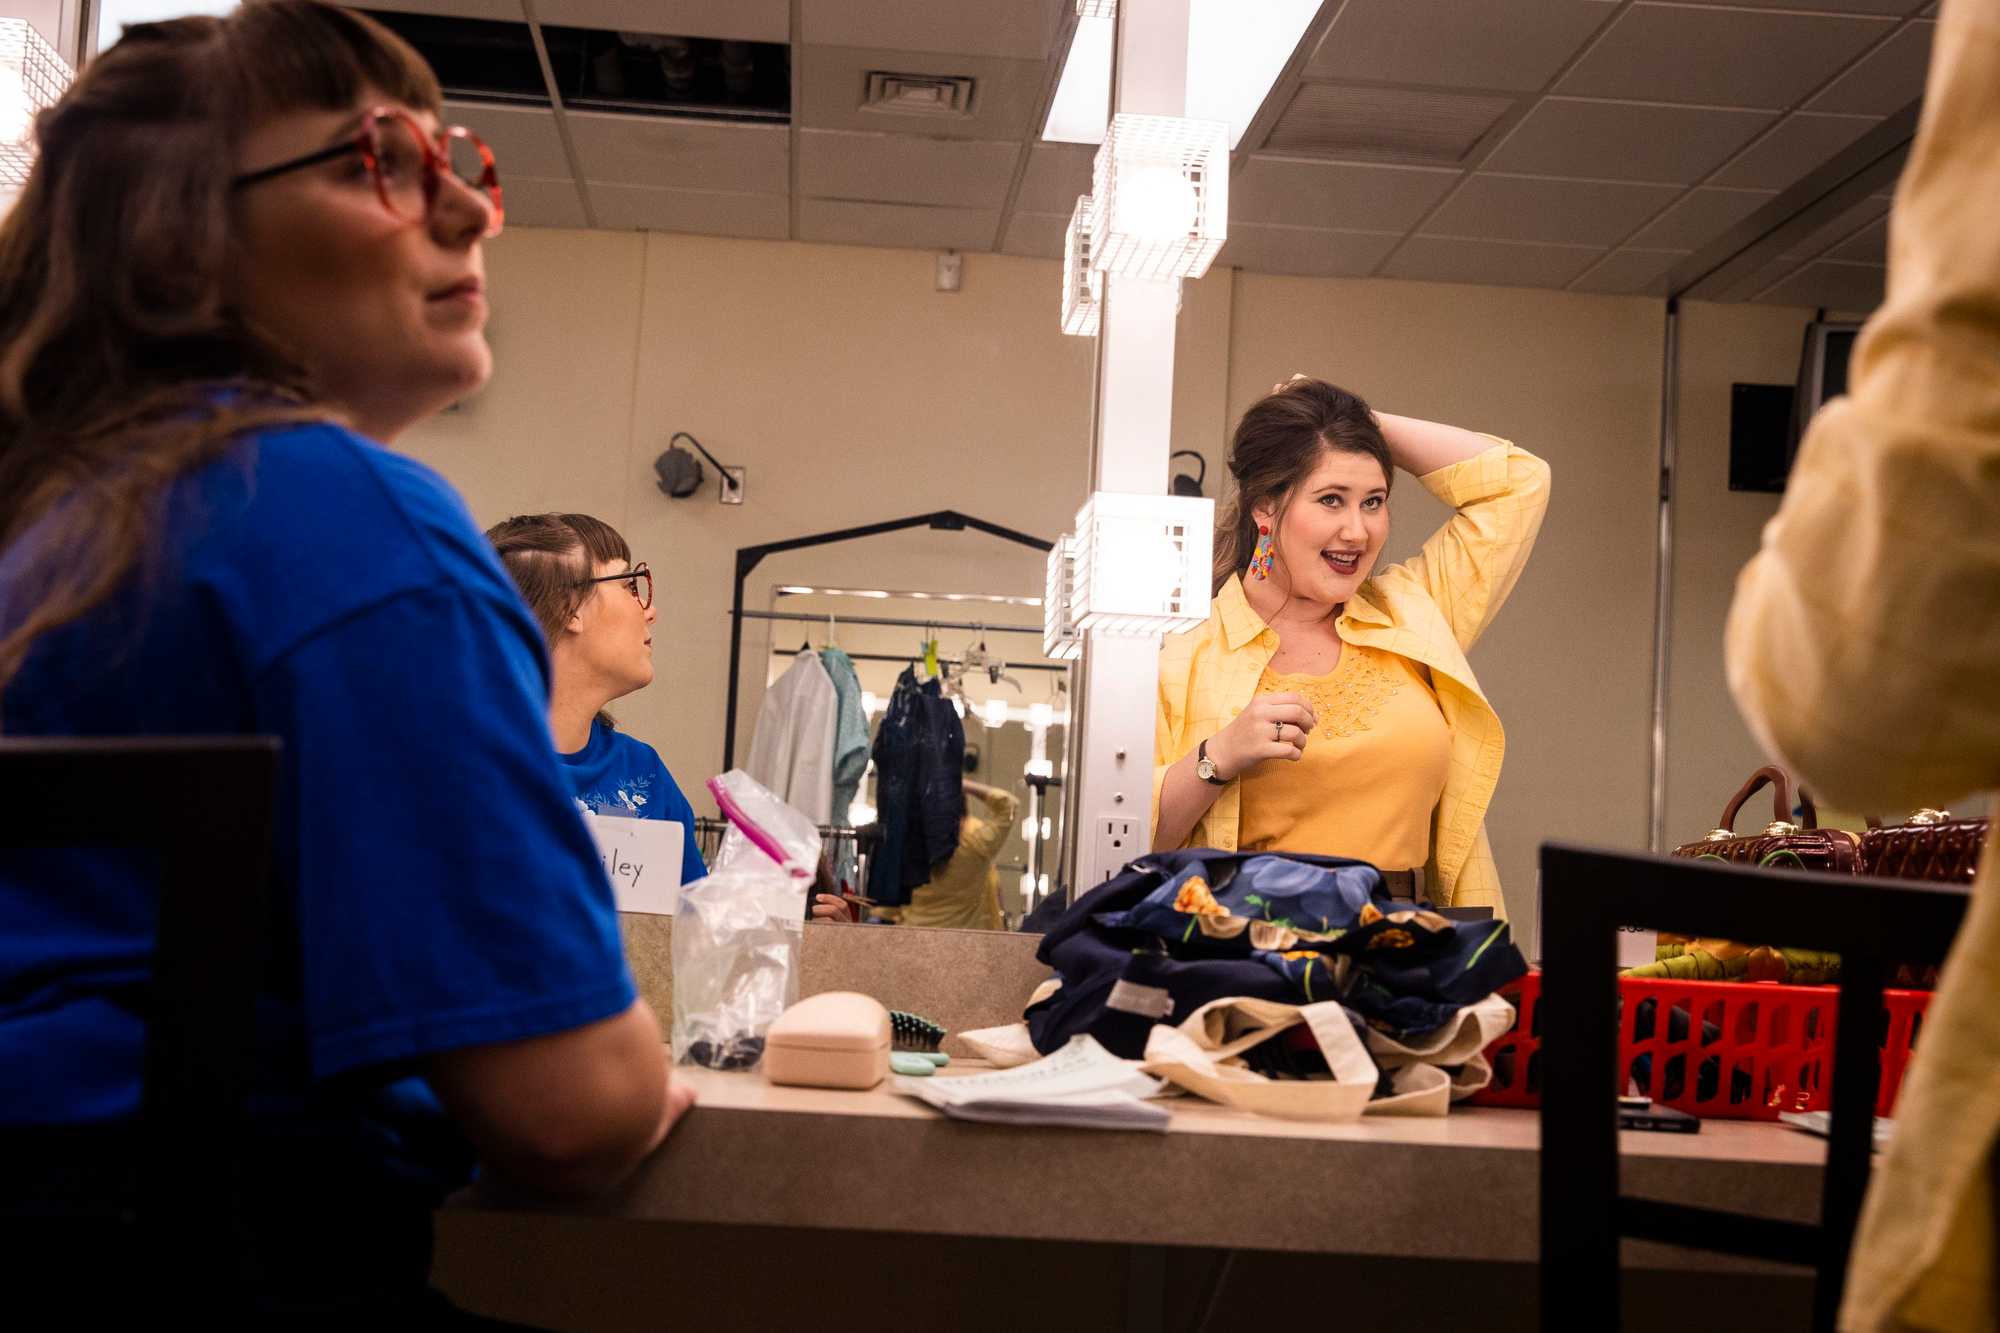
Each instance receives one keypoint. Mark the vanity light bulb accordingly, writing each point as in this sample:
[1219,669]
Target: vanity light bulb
[1046,828]
[1043,889]
[860,813]
[1039,716]
[958,706]
[1153,200]
[996,712]
[869,703]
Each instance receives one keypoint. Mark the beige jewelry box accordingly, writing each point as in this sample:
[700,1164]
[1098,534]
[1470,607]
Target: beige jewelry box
[839,1039]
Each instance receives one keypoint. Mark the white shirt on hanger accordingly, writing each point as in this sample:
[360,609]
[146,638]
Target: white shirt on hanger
[792,753]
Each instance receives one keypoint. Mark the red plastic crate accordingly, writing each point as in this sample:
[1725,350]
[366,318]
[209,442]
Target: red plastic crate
[1749,1050]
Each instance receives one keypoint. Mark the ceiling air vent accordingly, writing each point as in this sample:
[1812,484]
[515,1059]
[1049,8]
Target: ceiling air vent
[918,94]
[1387,124]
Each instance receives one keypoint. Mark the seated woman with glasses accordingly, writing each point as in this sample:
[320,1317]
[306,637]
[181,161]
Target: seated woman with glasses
[595,608]
[248,258]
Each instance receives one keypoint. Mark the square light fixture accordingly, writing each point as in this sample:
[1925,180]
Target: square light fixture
[1142,563]
[1159,198]
[1097,9]
[1083,286]
[32,78]
[1062,641]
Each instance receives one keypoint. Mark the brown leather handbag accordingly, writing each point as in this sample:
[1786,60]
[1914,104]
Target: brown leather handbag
[1782,844]
[1930,846]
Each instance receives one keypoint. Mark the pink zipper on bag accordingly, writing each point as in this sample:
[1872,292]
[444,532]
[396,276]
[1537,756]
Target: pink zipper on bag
[759,839]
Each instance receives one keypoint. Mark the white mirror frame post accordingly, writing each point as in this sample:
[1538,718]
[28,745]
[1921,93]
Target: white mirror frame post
[1111,776]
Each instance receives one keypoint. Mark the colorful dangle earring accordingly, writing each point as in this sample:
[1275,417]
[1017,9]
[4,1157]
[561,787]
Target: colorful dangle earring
[1260,558]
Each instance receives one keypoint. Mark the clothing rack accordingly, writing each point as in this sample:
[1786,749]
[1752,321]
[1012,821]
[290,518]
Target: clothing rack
[749,557]
[908,657]
[708,832]
[822,617]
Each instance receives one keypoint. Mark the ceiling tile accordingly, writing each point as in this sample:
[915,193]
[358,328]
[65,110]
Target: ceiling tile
[707,212]
[1340,195]
[1491,263]
[903,169]
[1393,124]
[524,140]
[1057,174]
[1855,287]
[1516,45]
[680,154]
[1895,7]
[1890,78]
[846,223]
[1719,57]
[502,11]
[1837,230]
[1870,245]
[532,202]
[1624,140]
[1020,30]
[1630,273]
[1799,143]
[1038,235]
[1558,212]
[731,20]
[1699,217]
[1306,251]
[834,81]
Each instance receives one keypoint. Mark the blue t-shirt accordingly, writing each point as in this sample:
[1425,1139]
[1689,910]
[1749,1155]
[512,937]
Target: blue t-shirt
[614,774]
[435,888]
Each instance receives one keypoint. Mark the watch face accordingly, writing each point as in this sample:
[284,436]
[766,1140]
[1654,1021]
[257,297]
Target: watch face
[1205,769]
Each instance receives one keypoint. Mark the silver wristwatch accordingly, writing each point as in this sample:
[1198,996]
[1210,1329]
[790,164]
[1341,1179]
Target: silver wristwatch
[1204,767]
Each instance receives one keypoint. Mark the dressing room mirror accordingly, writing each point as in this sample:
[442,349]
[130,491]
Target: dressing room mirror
[994,733]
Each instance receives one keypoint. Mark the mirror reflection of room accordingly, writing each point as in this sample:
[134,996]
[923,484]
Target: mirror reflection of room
[926,850]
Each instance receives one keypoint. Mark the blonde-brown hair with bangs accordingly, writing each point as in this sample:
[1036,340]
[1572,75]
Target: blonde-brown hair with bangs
[122,363]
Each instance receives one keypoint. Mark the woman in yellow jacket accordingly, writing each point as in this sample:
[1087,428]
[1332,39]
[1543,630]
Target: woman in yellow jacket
[1327,706]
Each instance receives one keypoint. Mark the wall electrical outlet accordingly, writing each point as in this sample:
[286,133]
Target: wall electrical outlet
[1117,843]
[732,486]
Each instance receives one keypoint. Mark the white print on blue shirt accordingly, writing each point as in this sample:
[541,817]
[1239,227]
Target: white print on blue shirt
[628,800]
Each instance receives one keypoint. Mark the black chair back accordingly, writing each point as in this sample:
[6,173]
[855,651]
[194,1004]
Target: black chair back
[204,806]
[1587,894]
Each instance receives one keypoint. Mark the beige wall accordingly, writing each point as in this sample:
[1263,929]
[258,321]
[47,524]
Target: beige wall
[1709,751]
[854,392]
[851,390]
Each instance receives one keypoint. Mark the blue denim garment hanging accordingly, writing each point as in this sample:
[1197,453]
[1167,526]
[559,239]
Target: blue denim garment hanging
[895,755]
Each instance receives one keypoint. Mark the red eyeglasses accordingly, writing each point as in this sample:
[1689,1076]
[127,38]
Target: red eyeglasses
[408,164]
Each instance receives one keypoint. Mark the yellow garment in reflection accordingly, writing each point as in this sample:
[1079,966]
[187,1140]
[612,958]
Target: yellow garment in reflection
[1373,769]
[966,893]
[1864,646]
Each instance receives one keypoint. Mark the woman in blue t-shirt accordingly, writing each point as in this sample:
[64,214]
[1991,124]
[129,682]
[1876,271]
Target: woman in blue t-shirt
[244,261]
[595,608]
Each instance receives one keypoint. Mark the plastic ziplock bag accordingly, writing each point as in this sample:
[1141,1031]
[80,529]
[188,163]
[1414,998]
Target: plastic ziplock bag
[738,930]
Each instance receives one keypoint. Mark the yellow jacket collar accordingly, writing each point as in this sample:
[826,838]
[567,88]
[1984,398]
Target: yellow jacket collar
[1241,624]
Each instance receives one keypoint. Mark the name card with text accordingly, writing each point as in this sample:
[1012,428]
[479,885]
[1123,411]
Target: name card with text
[642,858]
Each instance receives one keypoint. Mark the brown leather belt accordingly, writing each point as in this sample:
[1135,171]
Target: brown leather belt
[1403,883]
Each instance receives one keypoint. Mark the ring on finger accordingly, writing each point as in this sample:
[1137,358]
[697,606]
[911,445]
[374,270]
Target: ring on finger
[1279,733]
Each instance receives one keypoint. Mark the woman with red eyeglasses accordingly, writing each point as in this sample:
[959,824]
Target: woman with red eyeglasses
[246,260]
[595,608]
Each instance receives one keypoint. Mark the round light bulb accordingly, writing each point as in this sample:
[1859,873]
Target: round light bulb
[1039,715]
[1155,201]
[996,712]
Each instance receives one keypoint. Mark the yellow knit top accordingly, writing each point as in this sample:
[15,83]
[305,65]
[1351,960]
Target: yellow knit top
[1373,768]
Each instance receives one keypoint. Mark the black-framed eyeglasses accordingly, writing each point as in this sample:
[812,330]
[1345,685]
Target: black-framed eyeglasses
[638,581]
[407,163]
